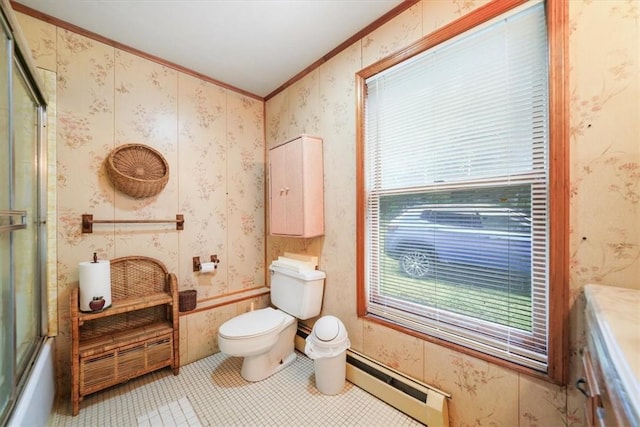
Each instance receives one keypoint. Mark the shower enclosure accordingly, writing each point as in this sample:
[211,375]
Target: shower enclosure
[22,217]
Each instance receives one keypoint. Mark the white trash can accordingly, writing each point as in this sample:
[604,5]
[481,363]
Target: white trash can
[327,345]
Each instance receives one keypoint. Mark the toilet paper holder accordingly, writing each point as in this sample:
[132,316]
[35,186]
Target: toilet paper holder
[197,265]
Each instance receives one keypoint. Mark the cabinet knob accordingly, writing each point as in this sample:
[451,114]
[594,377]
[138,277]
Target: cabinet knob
[286,190]
[281,191]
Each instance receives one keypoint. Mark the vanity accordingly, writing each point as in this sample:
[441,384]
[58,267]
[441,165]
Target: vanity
[611,359]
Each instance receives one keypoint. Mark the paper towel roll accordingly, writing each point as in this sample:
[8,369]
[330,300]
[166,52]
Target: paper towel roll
[95,285]
[207,267]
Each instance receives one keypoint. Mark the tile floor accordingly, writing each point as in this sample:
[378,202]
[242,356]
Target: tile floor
[211,392]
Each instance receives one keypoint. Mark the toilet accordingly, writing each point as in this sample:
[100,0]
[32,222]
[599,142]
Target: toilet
[265,337]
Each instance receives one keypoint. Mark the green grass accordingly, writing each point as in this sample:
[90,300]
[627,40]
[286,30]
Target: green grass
[454,293]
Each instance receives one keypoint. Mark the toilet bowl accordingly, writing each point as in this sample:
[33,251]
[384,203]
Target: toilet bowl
[265,338]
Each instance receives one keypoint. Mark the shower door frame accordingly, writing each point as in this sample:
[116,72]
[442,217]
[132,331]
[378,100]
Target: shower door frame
[22,219]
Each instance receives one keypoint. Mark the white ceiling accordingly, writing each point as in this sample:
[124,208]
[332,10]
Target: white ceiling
[253,45]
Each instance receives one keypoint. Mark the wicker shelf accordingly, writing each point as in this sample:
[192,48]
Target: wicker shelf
[109,342]
[138,334]
[128,304]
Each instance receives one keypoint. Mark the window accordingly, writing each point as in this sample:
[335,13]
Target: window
[461,188]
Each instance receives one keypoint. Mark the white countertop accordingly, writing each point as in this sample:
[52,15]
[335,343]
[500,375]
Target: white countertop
[615,314]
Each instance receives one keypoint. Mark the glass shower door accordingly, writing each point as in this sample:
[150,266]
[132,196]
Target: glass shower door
[6,325]
[26,280]
[21,227]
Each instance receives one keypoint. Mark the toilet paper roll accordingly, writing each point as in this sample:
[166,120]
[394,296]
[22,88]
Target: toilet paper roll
[207,267]
[95,285]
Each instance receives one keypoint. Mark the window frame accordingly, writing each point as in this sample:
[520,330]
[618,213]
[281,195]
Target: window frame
[558,322]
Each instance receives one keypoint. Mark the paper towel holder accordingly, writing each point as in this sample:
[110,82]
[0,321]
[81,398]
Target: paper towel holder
[197,265]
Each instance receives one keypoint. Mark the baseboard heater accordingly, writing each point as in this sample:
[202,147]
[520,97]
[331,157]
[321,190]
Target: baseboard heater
[421,401]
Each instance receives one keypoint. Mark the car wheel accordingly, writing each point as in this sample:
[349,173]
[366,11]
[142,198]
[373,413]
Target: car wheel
[417,263]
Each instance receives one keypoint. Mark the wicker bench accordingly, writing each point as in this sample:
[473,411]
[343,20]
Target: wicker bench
[136,335]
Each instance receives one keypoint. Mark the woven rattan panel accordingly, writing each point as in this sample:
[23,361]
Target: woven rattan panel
[137,277]
[132,320]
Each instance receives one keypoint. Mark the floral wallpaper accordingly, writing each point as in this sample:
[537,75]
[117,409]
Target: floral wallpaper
[213,140]
[605,208]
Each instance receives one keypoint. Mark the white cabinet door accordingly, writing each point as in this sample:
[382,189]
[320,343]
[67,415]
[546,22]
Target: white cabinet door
[278,183]
[294,191]
[296,198]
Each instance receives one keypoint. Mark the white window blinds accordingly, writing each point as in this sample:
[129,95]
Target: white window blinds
[456,143]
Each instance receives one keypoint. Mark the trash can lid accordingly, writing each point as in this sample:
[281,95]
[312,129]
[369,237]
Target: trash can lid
[329,328]
[327,339]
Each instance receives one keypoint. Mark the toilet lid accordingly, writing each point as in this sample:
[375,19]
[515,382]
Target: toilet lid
[252,323]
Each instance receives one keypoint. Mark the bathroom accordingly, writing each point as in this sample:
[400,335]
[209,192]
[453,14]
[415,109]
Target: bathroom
[220,187]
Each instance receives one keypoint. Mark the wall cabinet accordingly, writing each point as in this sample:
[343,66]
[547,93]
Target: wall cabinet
[136,335]
[296,189]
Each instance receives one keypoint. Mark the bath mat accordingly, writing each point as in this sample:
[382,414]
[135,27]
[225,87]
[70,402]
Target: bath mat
[178,413]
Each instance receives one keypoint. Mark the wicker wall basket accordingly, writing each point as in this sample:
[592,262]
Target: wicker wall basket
[137,170]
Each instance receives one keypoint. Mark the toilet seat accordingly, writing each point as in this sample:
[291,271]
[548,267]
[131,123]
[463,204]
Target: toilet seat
[252,324]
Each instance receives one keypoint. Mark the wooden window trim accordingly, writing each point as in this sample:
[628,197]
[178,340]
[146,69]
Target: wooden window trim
[558,342]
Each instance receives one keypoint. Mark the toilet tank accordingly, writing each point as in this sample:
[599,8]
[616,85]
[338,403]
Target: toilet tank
[297,291]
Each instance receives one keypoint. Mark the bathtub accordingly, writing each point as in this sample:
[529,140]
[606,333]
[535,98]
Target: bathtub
[35,403]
